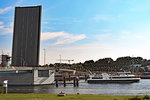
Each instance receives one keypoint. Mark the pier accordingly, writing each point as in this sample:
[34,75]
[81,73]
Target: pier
[74,82]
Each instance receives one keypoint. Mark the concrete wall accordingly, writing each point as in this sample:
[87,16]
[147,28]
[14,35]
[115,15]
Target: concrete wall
[26,78]
[43,80]
[26,36]
[17,78]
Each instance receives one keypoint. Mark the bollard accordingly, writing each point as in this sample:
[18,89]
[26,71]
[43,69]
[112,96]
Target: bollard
[69,77]
[74,81]
[78,76]
[56,82]
[64,81]
[77,79]
[85,77]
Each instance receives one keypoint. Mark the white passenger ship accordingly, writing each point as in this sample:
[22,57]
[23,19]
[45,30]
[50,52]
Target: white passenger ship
[121,77]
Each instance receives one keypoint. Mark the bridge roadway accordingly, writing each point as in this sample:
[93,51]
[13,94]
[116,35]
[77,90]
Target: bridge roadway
[23,68]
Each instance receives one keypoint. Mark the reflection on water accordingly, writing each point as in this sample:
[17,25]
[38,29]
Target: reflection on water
[141,88]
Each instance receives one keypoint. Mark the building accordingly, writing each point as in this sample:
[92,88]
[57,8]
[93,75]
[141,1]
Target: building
[26,36]
[4,60]
[61,73]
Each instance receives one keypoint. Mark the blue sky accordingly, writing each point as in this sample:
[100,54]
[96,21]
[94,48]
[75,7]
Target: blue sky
[85,29]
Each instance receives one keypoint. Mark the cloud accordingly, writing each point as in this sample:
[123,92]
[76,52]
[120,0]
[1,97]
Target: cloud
[1,27]
[98,18]
[45,22]
[103,36]
[62,37]
[95,51]
[18,2]
[124,43]
[140,36]
[76,20]
[88,51]
[70,39]
[5,29]
[4,10]
[1,23]
[47,27]
[126,32]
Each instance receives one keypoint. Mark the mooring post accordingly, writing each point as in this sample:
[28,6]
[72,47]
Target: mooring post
[85,77]
[56,82]
[69,77]
[77,79]
[64,81]
[74,81]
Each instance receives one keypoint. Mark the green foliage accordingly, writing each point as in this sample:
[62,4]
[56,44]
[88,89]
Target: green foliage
[135,98]
[2,89]
[108,65]
[115,99]
[146,97]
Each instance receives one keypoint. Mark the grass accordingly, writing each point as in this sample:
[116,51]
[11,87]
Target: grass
[67,97]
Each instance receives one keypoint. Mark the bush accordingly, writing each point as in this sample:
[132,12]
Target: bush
[115,99]
[146,97]
[135,98]
[2,89]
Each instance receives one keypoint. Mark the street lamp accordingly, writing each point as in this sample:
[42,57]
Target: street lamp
[44,55]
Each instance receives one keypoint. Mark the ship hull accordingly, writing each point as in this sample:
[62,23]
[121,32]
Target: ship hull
[113,81]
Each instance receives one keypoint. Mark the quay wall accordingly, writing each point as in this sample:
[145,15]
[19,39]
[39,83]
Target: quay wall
[27,77]
[47,78]
[17,78]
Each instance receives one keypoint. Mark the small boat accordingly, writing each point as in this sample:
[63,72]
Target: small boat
[61,94]
[121,77]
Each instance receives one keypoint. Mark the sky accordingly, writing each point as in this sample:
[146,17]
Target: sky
[83,30]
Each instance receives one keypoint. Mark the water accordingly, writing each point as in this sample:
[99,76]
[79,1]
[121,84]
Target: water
[140,88]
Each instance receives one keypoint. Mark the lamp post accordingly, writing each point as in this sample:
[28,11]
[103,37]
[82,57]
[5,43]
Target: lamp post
[44,55]
[60,58]
[109,66]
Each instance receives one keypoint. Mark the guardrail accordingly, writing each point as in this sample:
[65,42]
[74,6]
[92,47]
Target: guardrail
[24,68]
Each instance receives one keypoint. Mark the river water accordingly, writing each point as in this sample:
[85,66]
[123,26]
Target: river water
[139,88]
